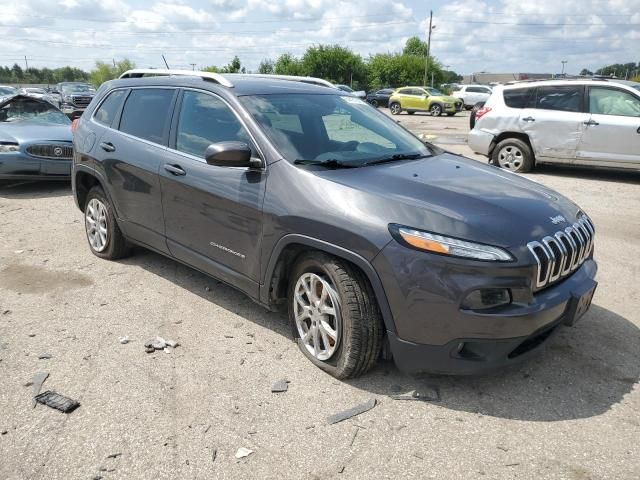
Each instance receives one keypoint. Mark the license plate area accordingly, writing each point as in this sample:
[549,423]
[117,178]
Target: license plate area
[580,305]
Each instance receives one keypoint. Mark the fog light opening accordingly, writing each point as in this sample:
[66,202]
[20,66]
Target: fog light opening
[487,298]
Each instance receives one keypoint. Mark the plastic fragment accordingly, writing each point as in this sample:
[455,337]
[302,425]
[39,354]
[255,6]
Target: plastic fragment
[57,401]
[352,412]
[243,452]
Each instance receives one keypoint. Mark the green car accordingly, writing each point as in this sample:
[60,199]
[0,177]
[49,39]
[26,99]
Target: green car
[423,99]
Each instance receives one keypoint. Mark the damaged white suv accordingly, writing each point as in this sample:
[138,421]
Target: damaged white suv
[578,122]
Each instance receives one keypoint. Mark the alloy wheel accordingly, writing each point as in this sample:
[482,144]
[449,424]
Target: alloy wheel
[95,220]
[511,158]
[317,315]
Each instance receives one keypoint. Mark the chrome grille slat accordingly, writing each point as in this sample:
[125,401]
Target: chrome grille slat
[558,255]
[50,151]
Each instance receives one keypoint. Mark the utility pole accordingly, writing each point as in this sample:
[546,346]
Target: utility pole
[563,64]
[114,62]
[26,64]
[426,60]
[165,62]
[193,66]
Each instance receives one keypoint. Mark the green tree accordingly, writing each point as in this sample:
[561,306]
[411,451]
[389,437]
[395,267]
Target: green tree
[586,72]
[266,66]
[287,64]
[397,70]
[621,70]
[233,67]
[212,69]
[415,46]
[107,71]
[336,64]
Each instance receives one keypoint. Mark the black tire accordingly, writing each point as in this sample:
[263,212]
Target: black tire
[395,108]
[518,163]
[360,329]
[472,116]
[116,245]
[374,103]
[436,110]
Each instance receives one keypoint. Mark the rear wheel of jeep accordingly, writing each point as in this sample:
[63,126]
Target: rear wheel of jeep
[103,234]
[513,154]
[334,315]
[395,108]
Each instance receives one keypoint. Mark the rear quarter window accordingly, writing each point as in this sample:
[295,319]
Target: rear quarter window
[146,113]
[519,97]
[109,108]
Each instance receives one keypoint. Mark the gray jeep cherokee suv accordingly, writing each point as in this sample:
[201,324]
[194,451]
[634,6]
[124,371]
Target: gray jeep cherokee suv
[303,196]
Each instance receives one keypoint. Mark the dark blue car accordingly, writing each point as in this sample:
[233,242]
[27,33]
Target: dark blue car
[35,140]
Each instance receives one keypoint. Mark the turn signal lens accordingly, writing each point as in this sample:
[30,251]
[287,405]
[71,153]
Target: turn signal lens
[74,125]
[432,242]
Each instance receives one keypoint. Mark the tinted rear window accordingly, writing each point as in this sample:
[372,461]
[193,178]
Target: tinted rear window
[566,98]
[519,97]
[146,113]
[107,111]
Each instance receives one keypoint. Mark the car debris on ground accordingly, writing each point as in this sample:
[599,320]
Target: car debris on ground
[352,412]
[37,382]
[160,343]
[243,452]
[432,396]
[280,386]
[124,340]
[57,401]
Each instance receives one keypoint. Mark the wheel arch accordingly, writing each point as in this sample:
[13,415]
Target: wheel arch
[84,179]
[290,247]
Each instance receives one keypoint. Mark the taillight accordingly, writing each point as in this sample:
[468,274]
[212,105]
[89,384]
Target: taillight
[482,112]
[74,125]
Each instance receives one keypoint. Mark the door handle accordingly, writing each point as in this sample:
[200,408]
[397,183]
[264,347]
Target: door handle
[174,170]
[108,147]
[591,122]
[529,119]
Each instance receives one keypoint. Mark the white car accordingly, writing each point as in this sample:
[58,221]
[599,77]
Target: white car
[37,93]
[576,122]
[6,91]
[472,94]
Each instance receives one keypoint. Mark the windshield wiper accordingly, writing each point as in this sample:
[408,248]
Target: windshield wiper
[330,163]
[397,157]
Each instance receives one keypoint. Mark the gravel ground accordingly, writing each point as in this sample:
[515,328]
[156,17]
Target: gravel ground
[571,413]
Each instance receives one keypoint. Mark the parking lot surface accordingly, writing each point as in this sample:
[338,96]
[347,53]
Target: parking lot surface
[571,413]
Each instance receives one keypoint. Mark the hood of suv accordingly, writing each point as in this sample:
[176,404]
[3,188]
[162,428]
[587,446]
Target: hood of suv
[455,196]
[443,99]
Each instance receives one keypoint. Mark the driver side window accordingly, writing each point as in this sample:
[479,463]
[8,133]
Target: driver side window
[205,119]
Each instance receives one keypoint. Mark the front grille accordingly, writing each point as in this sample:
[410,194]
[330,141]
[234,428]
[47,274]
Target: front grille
[559,255]
[81,101]
[55,152]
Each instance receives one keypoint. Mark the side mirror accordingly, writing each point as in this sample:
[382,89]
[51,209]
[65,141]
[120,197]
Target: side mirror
[231,154]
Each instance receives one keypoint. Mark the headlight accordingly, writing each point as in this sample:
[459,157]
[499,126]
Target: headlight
[66,98]
[8,147]
[434,243]
[447,105]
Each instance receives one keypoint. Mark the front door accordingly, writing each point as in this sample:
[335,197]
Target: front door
[612,135]
[556,123]
[213,215]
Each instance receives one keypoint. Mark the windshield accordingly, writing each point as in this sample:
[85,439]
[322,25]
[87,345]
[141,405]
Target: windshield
[23,109]
[345,88]
[80,88]
[7,91]
[434,91]
[331,128]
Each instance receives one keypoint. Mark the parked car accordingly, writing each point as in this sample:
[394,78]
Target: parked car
[74,97]
[367,235]
[38,93]
[7,92]
[472,94]
[574,122]
[380,98]
[346,88]
[35,140]
[423,99]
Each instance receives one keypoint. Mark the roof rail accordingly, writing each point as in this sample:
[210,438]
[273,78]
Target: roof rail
[295,78]
[141,72]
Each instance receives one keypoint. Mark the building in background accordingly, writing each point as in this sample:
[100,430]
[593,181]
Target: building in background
[485,78]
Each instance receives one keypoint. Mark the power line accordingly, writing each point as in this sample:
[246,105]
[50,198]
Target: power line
[562,24]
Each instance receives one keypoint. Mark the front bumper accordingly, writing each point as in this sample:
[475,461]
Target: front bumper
[480,141]
[72,111]
[20,166]
[433,334]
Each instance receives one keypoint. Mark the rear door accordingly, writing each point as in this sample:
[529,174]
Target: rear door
[613,131]
[130,157]
[556,122]
[213,215]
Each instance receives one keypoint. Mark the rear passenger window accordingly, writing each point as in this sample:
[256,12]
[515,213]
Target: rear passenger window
[107,111]
[562,98]
[146,113]
[404,91]
[519,97]
[205,119]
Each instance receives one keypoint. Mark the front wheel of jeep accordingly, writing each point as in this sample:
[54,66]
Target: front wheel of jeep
[334,315]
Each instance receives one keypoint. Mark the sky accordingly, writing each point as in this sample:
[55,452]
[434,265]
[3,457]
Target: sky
[469,35]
